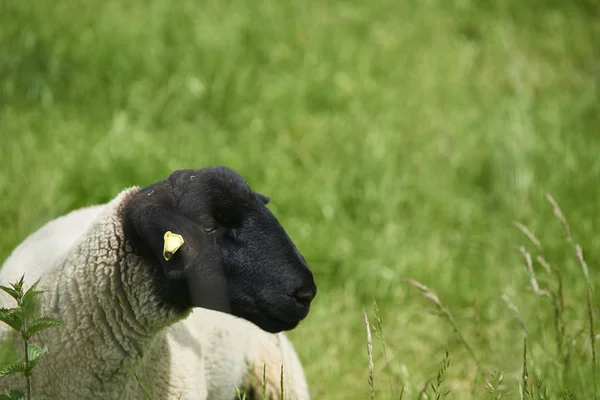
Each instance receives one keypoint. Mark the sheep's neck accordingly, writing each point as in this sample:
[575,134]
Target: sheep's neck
[104,295]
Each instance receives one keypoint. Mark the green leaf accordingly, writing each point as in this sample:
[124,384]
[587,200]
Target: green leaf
[14,294]
[41,323]
[32,293]
[32,290]
[30,303]
[16,291]
[12,368]
[19,285]
[13,394]
[12,317]
[34,353]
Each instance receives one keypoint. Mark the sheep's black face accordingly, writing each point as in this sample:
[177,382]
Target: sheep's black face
[236,257]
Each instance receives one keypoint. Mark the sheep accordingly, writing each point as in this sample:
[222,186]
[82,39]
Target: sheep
[194,322]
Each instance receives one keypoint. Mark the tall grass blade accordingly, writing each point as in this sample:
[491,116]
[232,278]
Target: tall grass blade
[430,295]
[144,389]
[370,355]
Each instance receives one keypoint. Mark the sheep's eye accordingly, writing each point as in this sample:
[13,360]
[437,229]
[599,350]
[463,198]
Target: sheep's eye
[208,228]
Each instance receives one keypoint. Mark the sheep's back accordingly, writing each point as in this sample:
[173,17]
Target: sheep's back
[34,256]
[41,249]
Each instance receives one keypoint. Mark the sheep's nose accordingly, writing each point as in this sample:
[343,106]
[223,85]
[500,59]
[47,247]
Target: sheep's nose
[305,294]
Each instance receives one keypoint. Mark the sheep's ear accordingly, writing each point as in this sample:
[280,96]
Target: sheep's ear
[263,198]
[151,223]
[192,262]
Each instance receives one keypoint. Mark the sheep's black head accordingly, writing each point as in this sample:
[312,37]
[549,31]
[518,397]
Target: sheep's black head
[236,257]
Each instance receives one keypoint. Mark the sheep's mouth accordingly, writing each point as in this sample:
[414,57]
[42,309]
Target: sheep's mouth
[272,321]
[285,319]
[290,317]
[278,324]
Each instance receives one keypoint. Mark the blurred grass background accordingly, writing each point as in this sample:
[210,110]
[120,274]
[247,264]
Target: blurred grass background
[396,139]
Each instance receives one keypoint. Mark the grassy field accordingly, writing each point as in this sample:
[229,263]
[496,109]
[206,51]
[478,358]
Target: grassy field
[397,139]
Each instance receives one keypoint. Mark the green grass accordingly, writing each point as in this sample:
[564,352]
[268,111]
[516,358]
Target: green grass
[397,139]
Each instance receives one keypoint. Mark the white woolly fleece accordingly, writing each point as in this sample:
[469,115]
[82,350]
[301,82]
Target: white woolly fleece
[102,292]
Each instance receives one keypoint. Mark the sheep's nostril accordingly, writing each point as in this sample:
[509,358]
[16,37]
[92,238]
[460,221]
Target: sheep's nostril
[304,295]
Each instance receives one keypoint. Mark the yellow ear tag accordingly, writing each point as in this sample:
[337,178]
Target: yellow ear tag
[173,242]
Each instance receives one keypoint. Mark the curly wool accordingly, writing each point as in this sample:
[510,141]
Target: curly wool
[115,324]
